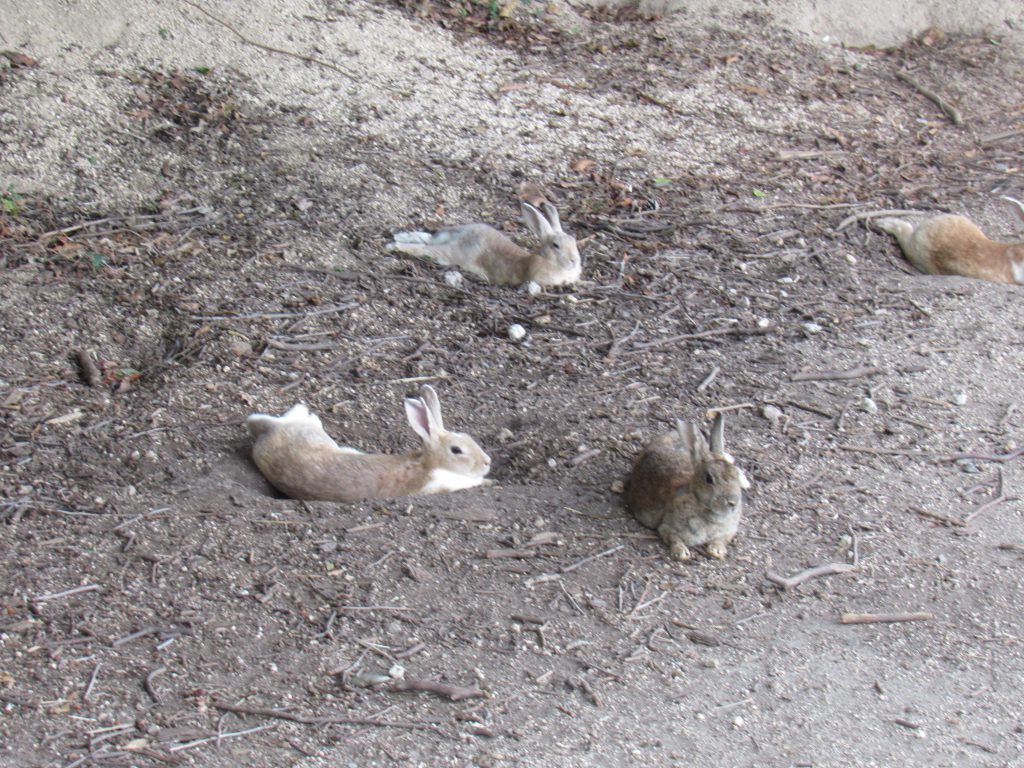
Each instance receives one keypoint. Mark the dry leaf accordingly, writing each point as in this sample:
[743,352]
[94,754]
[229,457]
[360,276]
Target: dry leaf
[19,59]
[753,90]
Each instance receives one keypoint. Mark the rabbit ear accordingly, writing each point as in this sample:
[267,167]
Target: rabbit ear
[535,220]
[421,420]
[718,435]
[694,441]
[552,213]
[429,396]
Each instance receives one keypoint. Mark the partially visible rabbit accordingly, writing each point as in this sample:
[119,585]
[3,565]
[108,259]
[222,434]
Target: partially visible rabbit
[952,245]
[487,253]
[301,460]
[688,491]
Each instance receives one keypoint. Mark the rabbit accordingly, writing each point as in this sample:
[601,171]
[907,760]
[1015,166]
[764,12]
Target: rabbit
[301,460]
[952,245]
[689,492]
[484,251]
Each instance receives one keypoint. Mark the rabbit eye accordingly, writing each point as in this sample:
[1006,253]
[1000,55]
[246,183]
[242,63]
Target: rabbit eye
[456,450]
[708,478]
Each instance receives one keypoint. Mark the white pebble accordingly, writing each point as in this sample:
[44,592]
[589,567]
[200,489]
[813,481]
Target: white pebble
[453,278]
[516,332]
[532,287]
[868,405]
[772,413]
[811,327]
[960,398]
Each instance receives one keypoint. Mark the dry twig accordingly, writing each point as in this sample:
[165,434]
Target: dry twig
[868,215]
[851,373]
[452,692]
[321,719]
[792,582]
[883,618]
[948,109]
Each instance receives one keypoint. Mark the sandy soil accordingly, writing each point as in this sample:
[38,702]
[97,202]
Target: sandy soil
[204,218]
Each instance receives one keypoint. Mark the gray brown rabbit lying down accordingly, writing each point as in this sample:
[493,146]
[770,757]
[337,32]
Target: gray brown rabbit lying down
[952,245]
[690,492]
[485,252]
[300,459]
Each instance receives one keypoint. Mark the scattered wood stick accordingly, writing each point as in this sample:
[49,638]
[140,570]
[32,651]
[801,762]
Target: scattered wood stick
[90,371]
[944,519]
[585,560]
[148,683]
[708,379]
[890,451]
[999,457]
[66,593]
[999,499]
[144,632]
[218,737]
[311,346]
[91,683]
[883,618]
[500,554]
[851,373]
[730,331]
[792,582]
[948,109]
[1018,205]
[270,48]
[868,215]
[320,719]
[452,692]
[280,315]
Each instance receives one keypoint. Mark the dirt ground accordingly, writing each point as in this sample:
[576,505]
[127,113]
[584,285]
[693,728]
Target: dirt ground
[204,218]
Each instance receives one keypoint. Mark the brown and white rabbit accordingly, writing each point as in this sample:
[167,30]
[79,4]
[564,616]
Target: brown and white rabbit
[301,460]
[484,251]
[689,492]
[953,245]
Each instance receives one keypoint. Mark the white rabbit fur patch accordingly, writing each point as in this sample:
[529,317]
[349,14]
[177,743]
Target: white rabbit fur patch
[446,480]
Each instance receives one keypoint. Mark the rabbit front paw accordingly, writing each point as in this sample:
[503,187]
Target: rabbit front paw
[679,551]
[716,549]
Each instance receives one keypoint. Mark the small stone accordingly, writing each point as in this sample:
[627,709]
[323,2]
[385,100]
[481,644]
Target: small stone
[532,287]
[868,405]
[772,413]
[617,486]
[812,327]
[452,278]
[960,398]
[763,322]
[552,463]
[516,332]
[737,722]
[505,435]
